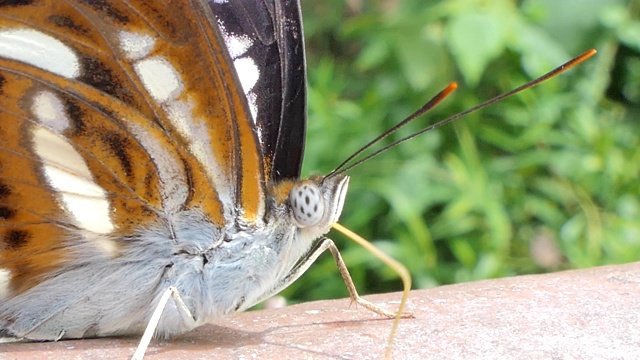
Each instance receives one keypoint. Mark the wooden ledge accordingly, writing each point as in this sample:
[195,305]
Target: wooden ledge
[580,314]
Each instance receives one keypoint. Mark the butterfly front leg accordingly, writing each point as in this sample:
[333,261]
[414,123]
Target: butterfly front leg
[305,263]
[351,287]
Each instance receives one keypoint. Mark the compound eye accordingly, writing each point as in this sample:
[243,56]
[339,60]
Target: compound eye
[306,204]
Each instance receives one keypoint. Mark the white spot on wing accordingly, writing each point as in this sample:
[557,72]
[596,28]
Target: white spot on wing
[201,149]
[237,45]
[67,173]
[174,186]
[253,108]
[40,50]
[56,151]
[135,45]
[91,213]
[71,185]
[5,278]
[160,78]
[248,72]
[50,111]
[182,117]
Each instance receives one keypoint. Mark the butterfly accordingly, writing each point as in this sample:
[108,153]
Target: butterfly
[150,157]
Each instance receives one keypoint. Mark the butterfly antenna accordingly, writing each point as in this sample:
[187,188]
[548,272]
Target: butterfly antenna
[560,69]
[426,107]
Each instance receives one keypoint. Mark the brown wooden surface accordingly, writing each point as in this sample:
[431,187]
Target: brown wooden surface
[583,314]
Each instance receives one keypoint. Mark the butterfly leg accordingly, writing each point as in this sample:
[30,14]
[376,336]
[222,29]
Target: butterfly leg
[305,264]
[155,319]
[351,287]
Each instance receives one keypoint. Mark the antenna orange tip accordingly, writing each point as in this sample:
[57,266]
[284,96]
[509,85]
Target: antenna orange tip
[584,56]
[449,89]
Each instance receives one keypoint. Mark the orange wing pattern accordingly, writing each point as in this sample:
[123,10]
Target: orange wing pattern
[111,115]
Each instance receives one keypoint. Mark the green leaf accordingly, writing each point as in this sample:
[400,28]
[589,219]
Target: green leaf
[475,39]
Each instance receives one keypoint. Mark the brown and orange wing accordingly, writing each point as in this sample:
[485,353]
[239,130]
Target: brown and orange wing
[112,115]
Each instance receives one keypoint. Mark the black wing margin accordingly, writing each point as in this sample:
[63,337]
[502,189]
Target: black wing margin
[273,29]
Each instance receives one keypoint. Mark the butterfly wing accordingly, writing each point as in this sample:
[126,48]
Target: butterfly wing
[266,43]
[115,116]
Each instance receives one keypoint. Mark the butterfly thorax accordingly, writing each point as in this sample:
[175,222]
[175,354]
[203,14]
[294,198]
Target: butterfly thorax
[245,264]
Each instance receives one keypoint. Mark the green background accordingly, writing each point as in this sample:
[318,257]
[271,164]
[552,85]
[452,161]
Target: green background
[543,181]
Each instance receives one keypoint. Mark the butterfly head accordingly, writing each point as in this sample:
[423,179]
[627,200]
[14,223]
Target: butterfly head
[311,205]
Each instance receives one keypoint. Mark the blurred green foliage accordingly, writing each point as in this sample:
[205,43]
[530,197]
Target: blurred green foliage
[545,180]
